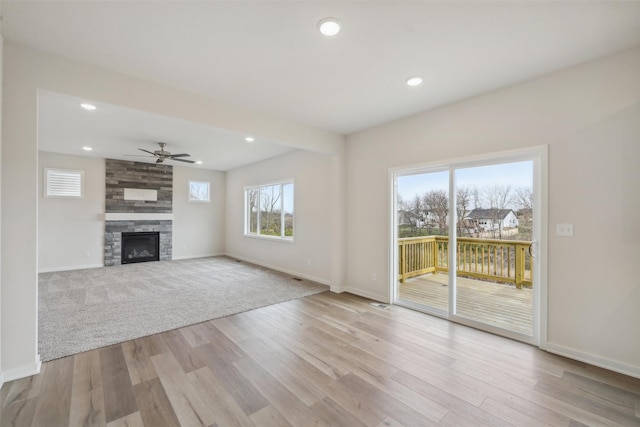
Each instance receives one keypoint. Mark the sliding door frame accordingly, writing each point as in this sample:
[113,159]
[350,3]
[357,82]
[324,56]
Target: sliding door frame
[539,156]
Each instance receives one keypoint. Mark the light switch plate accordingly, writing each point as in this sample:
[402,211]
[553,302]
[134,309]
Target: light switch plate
[565,230]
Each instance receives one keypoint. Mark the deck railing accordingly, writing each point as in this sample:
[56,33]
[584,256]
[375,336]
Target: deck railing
[506,261]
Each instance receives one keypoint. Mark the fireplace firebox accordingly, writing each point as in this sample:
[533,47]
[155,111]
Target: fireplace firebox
[140,247]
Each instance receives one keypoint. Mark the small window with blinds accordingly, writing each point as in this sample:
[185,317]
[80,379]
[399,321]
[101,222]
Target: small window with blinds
[63,183]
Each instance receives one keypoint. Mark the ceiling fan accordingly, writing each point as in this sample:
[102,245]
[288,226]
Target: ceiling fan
[163,155]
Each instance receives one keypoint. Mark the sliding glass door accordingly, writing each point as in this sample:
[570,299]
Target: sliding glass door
[465,242]
[423,227]
[494,211]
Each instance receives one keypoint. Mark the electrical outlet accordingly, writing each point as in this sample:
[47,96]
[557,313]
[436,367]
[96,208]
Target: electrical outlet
[565,230]
[87,254]
[373,277]
[309,262]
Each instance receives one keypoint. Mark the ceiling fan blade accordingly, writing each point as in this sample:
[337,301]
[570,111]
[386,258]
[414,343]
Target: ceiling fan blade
[183,160]
[135,155]
[147,151]
[180,155]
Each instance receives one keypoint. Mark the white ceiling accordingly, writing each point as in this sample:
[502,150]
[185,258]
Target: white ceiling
[117,133]
[268,55]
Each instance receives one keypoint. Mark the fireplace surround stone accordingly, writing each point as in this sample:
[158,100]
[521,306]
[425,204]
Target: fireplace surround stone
[129,216]
[113,238]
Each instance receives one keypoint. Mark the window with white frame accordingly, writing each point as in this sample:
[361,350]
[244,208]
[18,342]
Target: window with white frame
[269,210]
[63,183]
[198,191]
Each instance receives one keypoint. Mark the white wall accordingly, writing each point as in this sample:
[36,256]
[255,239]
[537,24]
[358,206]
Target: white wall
[590,119]
[77,226]
[198,228]
[1,56]
[25,72]
[69,228]
[313,207]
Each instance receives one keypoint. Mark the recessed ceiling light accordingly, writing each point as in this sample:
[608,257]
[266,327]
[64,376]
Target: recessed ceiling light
[249,139]
[89,107]
[87,148]
[198,162]
[329,26]
[414,81]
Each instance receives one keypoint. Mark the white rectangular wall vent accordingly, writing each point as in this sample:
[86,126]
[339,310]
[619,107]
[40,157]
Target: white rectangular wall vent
[63,183]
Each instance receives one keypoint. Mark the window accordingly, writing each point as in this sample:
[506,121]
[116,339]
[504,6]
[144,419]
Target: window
[269,210]
[198,191]
[63,183]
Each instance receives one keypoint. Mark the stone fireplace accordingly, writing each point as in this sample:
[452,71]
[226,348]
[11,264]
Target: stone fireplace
[139,199]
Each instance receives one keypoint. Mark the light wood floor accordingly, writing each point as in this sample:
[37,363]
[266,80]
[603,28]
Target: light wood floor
[323,360]
[495,304]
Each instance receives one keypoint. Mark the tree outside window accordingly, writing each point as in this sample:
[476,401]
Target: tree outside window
[269,210]
[198,191]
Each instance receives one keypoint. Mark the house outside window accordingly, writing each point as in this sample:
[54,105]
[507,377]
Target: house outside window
[269,210]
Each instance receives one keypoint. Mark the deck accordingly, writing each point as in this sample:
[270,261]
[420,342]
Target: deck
[504,306]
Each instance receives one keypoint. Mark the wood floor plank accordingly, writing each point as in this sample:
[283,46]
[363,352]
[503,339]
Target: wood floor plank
[119,399]
[195,335]
[137,354]
[181,350]
[269,417]
[54,401]
[185,400]
[278,364]
[474,417]
[296,412]
[426,407]
[220,344]
[155,408]
[386,404]
[614,411]
[620,396]
[241,389]
[19,412]
[18,390]
[313,358]
[153,344]
[131,420]
[389,422]
[87,372]
[513,416]
[233,331]
[334,414]
[225,409]
[87,409]
[514,406]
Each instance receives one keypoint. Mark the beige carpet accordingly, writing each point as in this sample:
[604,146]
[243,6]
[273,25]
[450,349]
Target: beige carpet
[81,310]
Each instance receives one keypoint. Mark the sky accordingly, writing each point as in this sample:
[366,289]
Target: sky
[517,174]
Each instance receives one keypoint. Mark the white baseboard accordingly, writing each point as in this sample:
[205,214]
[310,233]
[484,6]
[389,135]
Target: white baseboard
[592,359]
[22,371]
[1,380]
[175,258]
[282,270]
[367,294]
[71,267]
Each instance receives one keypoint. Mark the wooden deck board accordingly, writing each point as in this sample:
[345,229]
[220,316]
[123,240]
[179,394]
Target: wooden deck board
[496,304]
